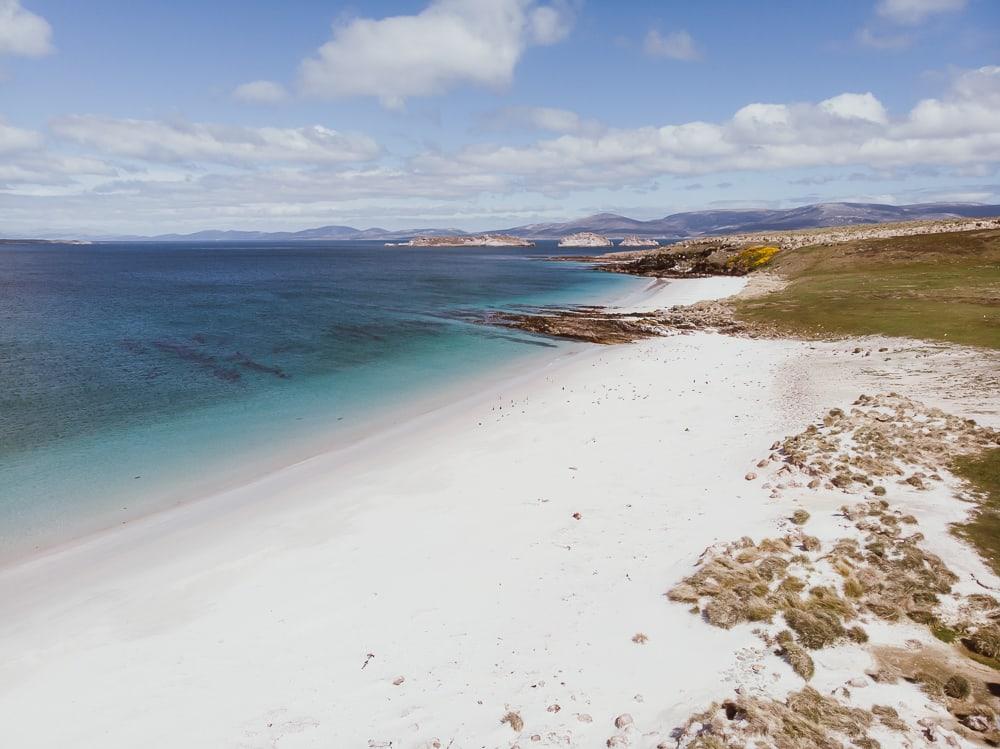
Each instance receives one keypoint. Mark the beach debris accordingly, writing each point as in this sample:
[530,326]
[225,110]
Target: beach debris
[623,721]
[639,638]
[553,708]
[584,718]
[514,720]
[368,659]
[577,516]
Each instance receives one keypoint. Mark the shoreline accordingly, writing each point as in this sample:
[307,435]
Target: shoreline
[502,556]
[388,420]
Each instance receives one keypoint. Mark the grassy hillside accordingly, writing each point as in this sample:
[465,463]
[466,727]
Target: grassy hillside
[939,287]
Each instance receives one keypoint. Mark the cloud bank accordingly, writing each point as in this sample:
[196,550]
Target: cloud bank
[22,32]
[187,174]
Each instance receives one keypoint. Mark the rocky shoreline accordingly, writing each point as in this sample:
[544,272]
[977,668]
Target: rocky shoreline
[730,254]
[603,325]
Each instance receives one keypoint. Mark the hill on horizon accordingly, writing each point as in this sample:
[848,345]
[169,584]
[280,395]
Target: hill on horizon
[672,227]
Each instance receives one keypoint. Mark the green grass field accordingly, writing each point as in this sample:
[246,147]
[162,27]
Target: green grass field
[983,472]
[942,287]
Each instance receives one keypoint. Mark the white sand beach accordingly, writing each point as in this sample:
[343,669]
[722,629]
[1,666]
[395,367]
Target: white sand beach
[497,555]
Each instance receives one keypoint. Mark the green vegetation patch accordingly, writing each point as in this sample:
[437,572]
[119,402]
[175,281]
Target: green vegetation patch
[982,471]
[942,287]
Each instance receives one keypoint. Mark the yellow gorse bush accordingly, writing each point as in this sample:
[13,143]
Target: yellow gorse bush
[754,257]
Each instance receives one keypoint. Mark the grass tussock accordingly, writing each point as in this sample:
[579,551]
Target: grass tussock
[795,655]
[886,574]
[800,517]
[805,720]
[514,720]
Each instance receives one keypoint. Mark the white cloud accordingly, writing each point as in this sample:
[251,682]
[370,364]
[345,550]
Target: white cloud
[866,37]
[14,139]
[449,43]
[550,119]
[22,32]
[962,127]
[261,92]
[677,45]
[856,107]
[912,12]
[167,142]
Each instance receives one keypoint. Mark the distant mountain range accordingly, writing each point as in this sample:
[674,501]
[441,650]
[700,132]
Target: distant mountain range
[674,226]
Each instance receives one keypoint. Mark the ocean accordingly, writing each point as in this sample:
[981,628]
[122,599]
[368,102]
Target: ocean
[137,375]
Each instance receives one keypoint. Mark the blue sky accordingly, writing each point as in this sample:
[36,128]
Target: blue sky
[147,117]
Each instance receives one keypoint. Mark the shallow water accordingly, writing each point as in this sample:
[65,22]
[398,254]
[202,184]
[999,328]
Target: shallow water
[133,374]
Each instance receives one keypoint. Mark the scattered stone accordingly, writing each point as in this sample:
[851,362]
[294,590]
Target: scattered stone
[623,721]
[398,680]
[750,476]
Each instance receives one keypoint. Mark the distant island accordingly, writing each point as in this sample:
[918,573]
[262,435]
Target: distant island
[477,240]
[585,239]
[634,240]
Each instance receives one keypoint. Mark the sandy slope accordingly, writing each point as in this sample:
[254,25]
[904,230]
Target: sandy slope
[446,553]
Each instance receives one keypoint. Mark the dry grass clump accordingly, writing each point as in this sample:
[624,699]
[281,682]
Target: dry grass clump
[514,720]
[806,720]
[795,655]
[961,685]
[815,629]
[957,687]
[800,517]
[886,573]
[984,641]
[883,437]
[888,717]
[891,576]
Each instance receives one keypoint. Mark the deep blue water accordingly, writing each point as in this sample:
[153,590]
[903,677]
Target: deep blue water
[135,373]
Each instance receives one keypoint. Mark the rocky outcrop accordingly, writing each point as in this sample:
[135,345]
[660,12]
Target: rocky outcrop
[585,239]
[479,240]
[603,325]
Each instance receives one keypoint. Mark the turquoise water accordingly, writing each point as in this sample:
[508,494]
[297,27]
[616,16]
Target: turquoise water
[136,375]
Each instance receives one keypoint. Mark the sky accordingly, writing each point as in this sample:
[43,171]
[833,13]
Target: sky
[149,117]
